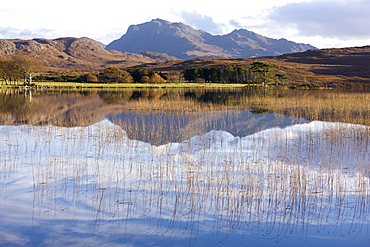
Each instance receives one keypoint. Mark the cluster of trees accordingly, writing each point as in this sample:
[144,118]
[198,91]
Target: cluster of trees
[257,73]
[131,75]
[17,68]
[107,75]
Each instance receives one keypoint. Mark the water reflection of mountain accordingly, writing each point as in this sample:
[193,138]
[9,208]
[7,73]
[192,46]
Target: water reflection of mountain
[82,108]
[68,109]
[163,127]
[279,187]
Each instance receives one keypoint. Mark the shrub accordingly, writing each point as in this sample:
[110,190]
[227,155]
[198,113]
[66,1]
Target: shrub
[89,78]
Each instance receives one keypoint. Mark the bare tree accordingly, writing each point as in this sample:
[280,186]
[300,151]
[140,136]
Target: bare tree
[26,67]
[17,67]
[7,70]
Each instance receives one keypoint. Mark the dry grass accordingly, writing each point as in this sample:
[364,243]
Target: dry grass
[167,105]
[325,106]
[228,190]
[98,172]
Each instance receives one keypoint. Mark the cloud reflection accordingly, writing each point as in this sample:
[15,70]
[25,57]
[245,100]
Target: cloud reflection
[97,186]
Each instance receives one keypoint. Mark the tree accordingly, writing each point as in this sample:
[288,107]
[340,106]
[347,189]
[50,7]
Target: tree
[156,78]
[175,77]
[190,74]
[205,73]
[263,69]
[283,78]
[89,78]
[11,70]
[27,67]
[228,73]
[116,75]
[215,75]
[111,74]
[140,74]
[145,79]
[3,70]
[8,70]
[125,77]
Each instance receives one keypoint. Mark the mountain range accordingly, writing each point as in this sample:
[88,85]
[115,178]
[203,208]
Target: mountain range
[184,42]
[150,42]
[163,46]
[76,53]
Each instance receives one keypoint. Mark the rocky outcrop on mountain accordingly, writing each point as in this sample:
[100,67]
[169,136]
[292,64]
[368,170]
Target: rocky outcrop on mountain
[184,42]
[75,53]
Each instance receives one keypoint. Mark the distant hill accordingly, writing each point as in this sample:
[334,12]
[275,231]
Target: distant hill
[335,66]
[100,43]
[75,53]
[184,42]
[330,67]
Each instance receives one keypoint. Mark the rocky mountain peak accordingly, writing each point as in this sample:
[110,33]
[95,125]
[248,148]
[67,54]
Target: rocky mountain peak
[76,53]
[184,42]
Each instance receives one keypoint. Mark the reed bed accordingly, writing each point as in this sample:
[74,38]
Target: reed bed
[345,107]
[307,180]
[325,106]
[276,184]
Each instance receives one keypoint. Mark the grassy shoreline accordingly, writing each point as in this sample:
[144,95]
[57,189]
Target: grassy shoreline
[135,85]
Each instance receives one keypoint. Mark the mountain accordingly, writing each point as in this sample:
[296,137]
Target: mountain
[327,67]
[75,53]
[100,43]
[184,42]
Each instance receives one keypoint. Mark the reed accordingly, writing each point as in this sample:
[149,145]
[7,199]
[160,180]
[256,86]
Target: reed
[268,184]
[325,106]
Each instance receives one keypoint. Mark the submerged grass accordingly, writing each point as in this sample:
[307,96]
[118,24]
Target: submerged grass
[272,185]
[229,190]
[334,107]
[325,106]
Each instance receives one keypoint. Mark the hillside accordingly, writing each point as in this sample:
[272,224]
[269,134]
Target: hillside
[75,53]
[184,42]
[330,67]
[339,66]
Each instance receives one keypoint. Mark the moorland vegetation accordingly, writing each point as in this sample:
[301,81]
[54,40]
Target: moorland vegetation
[22,70]
[327,68]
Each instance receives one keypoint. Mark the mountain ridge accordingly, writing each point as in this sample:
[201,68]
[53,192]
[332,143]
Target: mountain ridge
[75,53]
[331,66]
[184,42]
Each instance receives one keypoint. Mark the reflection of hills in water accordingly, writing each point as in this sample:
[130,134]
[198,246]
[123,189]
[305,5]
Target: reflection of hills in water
[59,108]
[278,187]
[156,127]
[82,108]
[163,127]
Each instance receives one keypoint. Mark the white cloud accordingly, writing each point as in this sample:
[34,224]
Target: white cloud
[201,22]
[11,33]
[332,19]
[324,21]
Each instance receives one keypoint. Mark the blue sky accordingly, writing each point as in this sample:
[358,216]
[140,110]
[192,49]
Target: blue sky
[322,23]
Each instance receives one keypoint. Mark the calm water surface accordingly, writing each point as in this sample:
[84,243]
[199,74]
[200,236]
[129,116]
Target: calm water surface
[76,170]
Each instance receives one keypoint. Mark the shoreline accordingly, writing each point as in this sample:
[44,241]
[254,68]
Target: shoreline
[77,85]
